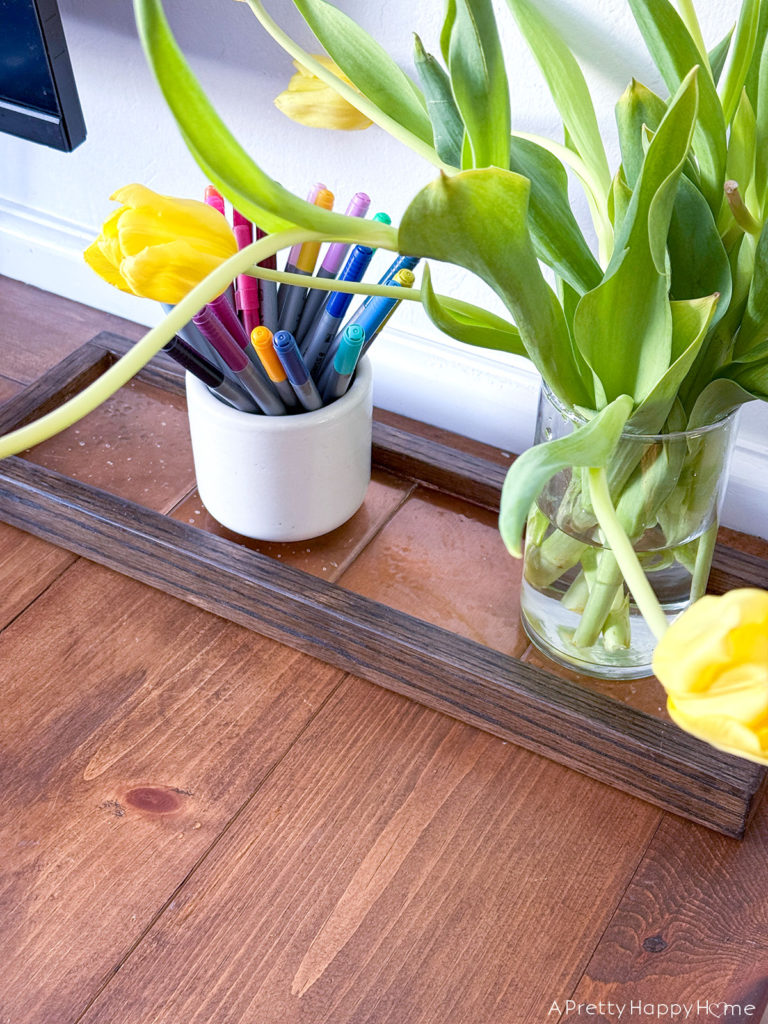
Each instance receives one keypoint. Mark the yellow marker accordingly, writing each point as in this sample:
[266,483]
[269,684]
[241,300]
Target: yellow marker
[261,339]
[307,258]
[292,304]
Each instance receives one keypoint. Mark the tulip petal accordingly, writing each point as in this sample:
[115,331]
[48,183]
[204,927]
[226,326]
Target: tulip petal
[713,663]
[721,732]
[740,692]
[167,272]
[692,650]
[158,246]
[104,267]
[311,102]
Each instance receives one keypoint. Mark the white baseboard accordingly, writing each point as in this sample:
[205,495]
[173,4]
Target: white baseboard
[484,396]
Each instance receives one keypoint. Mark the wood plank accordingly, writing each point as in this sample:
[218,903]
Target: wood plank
[396,866]
[692,928]
[493,691]
[133,729]
[39,328]
[27,566]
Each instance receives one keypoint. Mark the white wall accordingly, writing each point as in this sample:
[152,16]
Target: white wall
[51,204]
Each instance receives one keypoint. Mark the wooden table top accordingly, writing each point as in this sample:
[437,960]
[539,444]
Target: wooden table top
[202,826]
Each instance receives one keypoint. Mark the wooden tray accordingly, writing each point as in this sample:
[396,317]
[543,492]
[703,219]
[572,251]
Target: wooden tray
[533,707]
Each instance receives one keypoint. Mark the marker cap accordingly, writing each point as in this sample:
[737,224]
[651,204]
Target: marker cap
[289,355]
[261,339]
[348,352]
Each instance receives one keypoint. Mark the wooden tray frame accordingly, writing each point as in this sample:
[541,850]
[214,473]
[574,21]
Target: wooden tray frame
[519,702]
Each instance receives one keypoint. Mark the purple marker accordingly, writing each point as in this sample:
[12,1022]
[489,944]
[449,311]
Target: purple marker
[329,268]
[238,362]
[222,307]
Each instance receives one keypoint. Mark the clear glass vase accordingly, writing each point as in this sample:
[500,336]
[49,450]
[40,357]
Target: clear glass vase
[667,489]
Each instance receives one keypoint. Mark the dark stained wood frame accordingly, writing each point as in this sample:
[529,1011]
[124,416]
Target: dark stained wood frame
[505,696]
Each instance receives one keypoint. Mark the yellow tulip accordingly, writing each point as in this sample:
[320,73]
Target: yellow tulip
[311,102]
[713,663]
[159,247]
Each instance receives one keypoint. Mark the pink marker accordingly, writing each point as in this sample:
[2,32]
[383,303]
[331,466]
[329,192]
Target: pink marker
[247,291]
[214,198]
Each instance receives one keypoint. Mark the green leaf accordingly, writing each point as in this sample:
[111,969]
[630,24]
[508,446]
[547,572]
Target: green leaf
[760,106]
[447,126]
[637,108]
[675,53]
[690,322]
[740,163]
[718,55]
[477,327]
[753,378]
[479,81]
[223,159]
[368,66]
[555,231]
[698,261]
[718,398]
[624,326]
[754,323]
[744,42]
[621,197]
[753,72]
[567,85]
[591,446]
[448,220]
[445,31]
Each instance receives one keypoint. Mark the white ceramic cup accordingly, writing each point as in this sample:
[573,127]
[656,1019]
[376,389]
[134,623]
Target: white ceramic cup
[283,478]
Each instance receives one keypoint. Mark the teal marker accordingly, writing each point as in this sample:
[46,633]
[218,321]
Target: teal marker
[340,372]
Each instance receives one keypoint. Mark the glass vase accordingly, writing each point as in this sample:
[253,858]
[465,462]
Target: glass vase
[667,489]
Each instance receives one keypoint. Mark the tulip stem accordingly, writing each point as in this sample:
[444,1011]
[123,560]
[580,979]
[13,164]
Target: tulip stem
[137,357]
[330,284]
[617,540]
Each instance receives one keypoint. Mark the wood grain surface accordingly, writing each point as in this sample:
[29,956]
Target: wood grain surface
[126,750]
[202,826]
[332,898]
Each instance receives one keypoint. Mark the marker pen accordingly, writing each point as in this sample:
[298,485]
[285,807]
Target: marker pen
[296,370]
[267,290]
[328,322]
[336,380]
[224,388]
[247,291]
[305,264]
[239,364]
[191,334]
[371,316]
[329,268]
[214,198]
[293,254]
[261,339]
[225,314]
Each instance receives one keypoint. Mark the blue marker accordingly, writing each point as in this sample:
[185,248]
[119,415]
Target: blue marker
[371,315]
[327,325]
[296,370]
[336,379]
[329,268]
